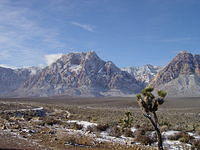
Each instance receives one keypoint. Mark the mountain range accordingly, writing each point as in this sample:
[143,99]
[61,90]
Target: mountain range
[85,74]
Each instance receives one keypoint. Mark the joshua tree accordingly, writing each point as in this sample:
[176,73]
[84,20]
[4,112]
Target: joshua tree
[149,105]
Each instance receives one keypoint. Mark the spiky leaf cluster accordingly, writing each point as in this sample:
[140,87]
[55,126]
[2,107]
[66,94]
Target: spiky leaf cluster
[162,93]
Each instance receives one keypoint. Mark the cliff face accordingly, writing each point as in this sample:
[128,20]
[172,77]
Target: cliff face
[80,74]
[11,79]
[85,74]
[181,76]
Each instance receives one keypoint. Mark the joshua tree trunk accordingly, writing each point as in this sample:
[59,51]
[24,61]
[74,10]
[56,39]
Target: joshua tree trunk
[155,125]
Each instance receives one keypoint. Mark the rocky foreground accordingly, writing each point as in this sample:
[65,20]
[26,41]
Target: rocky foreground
[35,127]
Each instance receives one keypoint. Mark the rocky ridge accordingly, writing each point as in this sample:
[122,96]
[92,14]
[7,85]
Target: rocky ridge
[12,79]
[80,74]
[85,74]
[181,77]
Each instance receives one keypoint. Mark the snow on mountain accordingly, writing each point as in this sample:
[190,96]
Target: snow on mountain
[144,73]
[80,74]
[85,74]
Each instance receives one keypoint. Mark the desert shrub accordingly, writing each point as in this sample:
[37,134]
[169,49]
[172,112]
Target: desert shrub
[195,144]
[186,138]
[144,139]
[80,140]
[198,133]
[70,140]
[40,123]
[5,116]
[98,128]
[137,126]
[52,132]
[181,136]
[83,143]
[165,123]
[164,128]
[115,131]
[127,132]
[51,121]
[102,127]
[139,132]
[92,129]
[146,127]
[174,137]
[76,126]
[94,119]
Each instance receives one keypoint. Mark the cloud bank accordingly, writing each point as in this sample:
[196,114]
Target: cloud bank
[51,58]
[23,39]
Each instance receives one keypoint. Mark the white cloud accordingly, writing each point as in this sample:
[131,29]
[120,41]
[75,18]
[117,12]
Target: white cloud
[51,58]
[87,27]
[23,39]
[7,66]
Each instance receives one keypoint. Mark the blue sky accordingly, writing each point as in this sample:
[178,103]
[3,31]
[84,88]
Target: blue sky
[127,32]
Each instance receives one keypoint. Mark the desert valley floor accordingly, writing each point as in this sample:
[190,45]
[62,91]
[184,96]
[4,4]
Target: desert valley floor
[94,123]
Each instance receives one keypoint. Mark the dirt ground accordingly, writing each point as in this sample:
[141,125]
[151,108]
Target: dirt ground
[183,112]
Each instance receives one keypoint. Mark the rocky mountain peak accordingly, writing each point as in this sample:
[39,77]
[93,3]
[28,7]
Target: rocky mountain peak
[85,74]
[184,63]
[111,67]
[77,57]
[82,74]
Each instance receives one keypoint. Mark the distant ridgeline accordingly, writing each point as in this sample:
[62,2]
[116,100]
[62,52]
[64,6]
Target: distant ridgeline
[85,74]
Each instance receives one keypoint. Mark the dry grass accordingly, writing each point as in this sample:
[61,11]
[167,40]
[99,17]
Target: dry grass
[176,114]
[182,137]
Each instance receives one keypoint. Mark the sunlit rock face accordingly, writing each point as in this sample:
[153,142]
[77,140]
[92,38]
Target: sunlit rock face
[85,74]
[80,74]
[12,79]
[181,77]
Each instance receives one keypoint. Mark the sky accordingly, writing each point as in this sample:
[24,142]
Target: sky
[127,32]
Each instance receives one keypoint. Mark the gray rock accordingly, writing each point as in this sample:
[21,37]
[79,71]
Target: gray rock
[181,77]
[80,74]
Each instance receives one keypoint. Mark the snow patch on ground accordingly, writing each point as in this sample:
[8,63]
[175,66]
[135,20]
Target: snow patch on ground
[105,137]
[175,145]
[169,133]
[133,129]
[35,109]
[85,124]
[194,135]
